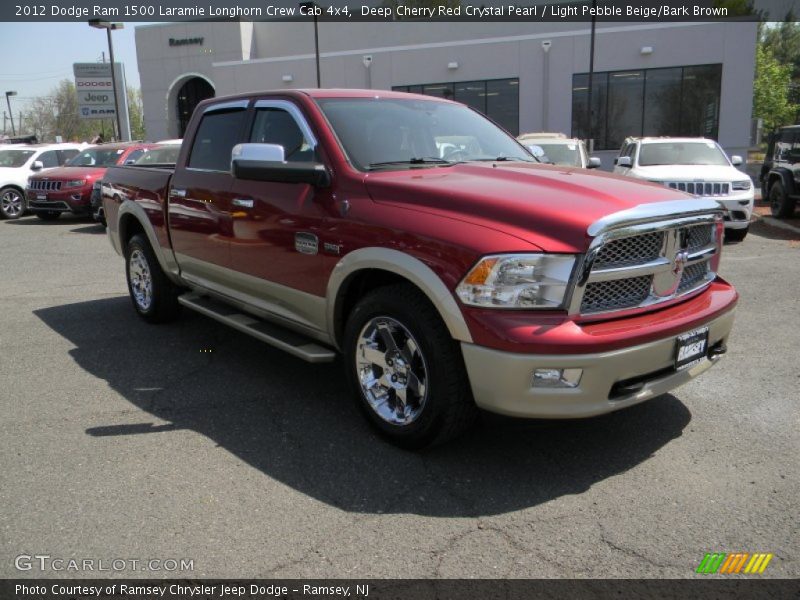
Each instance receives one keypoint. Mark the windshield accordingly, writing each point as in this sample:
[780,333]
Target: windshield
[160,156]
[97,157]
[400,133]
[568,155]
[14,158]
[681,153]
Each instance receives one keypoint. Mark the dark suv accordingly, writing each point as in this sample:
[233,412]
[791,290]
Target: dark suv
[780,173]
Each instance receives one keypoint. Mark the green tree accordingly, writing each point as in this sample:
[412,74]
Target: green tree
[771,90]
[136,113]
[783,40]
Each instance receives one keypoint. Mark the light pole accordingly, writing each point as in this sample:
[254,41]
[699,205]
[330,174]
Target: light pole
[109,27]
[312,6]
[11,114]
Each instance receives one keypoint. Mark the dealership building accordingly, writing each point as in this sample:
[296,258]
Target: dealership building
[648,78]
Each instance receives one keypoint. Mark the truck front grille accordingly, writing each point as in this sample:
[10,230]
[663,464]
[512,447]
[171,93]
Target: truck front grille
[44,185]
[648,265]
[700,188]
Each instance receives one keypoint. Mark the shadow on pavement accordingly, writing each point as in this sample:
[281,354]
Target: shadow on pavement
[295,422]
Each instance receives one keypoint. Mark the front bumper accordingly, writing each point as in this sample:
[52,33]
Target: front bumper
[738,209]
[502,381]
[73,200]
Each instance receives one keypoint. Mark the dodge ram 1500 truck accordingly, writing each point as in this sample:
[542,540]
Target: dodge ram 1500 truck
[425,244]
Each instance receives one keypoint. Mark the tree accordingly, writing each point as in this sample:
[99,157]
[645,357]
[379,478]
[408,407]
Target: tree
[771,90]
[783,40]
[136,113]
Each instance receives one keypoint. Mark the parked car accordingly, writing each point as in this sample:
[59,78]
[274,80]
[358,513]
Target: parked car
[161,153]
[69,188]
[331,224]
[697,166]
[780,173]
[560,150]
[18,162]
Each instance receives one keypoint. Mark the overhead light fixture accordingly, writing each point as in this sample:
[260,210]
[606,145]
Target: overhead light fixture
[646,50]
[452,65]
[287,78]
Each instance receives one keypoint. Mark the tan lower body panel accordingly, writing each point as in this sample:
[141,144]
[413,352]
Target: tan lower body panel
[502,381]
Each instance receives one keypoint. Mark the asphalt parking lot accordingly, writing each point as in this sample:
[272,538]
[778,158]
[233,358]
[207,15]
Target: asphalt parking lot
[122,440]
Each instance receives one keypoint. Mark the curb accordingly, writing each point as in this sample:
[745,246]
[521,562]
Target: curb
[773,222]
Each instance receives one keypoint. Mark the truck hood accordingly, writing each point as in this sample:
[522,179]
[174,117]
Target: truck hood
[548,206]
[690,173]
[70,173]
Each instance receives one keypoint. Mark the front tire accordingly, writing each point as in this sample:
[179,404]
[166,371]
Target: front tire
[405,370]
[48,215]
[12,203]
[154,296]
[779,202]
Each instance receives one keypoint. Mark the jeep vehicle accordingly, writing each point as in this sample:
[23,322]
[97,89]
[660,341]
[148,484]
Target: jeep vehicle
[780,173]
[560,150]
[327,221]
[69,188]
[19,162]
[697,166]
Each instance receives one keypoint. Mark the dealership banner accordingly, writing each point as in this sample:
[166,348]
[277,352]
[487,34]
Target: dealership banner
[399,589]
[398,10]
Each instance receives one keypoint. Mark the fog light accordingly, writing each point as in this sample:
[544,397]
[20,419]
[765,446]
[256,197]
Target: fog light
[557,378]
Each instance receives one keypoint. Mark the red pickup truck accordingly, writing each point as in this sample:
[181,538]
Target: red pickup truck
[422,242]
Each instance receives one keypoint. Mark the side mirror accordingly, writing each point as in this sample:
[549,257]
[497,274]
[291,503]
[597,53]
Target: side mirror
[593,163]
[736,160]
[265,162]
[623,161]
[37,165]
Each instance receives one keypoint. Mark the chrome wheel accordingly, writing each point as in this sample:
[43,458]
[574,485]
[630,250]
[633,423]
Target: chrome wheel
[11,203]
[141,279]
[391,371]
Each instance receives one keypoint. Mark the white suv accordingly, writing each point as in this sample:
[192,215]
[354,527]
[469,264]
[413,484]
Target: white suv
[20,161]
[697,166]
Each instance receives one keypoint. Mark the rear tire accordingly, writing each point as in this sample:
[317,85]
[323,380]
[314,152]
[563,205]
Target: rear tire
[736,235]
[48,215]
[154,296]
[406,371]
[12,203]
[779,202]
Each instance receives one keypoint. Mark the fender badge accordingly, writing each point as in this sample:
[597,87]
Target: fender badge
[332,248]
[306,243]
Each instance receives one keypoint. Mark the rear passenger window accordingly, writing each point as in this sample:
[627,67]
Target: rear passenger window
[215,138]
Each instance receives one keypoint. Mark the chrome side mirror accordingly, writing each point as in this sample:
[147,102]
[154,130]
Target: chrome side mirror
[736,160]
[593,163]
[623,161]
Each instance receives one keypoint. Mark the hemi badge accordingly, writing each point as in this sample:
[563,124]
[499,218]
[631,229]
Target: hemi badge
[306,243]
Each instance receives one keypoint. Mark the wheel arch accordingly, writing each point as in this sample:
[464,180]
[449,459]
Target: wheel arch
[784,176]
[368,268]
[131,220]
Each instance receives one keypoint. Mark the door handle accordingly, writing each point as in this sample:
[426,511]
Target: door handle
[177,193]
[243,202]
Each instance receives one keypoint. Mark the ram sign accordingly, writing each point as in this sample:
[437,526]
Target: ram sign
[95,90]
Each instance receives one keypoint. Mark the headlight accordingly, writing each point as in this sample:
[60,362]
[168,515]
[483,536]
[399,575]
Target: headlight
[741,185]
[75,183]
[518,281]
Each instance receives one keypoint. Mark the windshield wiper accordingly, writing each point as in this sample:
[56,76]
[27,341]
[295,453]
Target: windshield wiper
[505,159]
[423,160]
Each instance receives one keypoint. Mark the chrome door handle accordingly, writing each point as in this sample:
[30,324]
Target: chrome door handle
[177,193]
[243,202]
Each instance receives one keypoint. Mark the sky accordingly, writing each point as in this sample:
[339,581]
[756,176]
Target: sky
[34,57]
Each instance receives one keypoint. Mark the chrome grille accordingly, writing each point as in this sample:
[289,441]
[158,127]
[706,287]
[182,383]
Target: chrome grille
[646,264]
[700,188]
[616,294]
[630,250]
[692,276]
[45,185]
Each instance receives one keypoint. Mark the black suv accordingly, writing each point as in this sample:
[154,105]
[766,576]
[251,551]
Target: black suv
[780,173]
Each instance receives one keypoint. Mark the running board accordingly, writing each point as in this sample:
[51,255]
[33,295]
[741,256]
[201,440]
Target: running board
[274,335]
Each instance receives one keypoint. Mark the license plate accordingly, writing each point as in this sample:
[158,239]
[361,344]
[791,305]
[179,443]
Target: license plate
[41,196]
[691,348]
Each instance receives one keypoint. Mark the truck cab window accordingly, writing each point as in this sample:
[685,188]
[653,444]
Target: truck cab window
[276,126]
[216,136]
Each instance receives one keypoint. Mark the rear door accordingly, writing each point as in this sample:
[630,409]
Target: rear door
[199,203]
